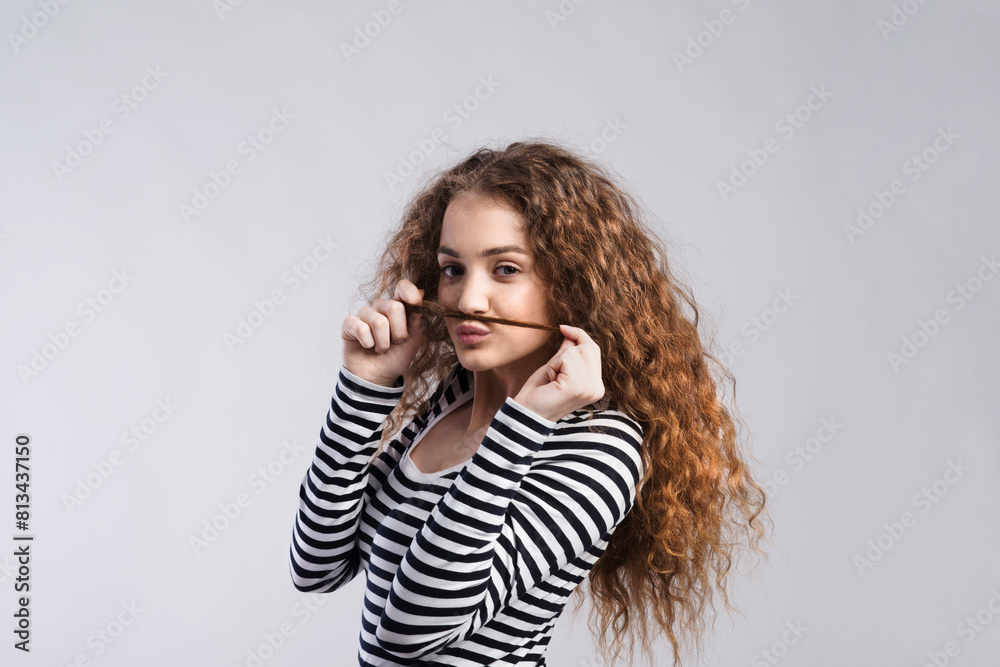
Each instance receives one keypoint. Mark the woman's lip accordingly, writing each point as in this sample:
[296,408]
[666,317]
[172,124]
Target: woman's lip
[470,330]
[471,337]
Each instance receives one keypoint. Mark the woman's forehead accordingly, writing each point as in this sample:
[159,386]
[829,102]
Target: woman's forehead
[479,224]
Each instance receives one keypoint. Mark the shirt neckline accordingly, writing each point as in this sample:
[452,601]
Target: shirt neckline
[461,398]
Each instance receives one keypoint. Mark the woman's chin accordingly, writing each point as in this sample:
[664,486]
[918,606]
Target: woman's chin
[473,360]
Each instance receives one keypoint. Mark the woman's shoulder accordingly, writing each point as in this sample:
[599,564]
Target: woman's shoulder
[604,413]
[605,444]
[601,422]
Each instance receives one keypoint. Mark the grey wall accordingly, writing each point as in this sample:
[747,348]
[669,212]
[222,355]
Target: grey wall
[861,348]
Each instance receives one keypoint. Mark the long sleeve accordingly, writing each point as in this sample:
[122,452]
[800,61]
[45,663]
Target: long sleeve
[506,525]
[324,548]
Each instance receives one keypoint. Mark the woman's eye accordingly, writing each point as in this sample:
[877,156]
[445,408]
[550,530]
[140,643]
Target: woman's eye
[502,268]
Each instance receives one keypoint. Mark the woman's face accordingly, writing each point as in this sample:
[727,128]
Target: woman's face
[486,268]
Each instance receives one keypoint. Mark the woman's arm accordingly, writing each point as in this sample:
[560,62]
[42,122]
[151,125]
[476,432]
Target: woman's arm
[324,549]
[504,525]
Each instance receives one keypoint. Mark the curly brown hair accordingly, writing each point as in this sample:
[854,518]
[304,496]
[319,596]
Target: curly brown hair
[606,272]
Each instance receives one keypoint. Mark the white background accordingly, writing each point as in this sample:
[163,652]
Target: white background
[892,77]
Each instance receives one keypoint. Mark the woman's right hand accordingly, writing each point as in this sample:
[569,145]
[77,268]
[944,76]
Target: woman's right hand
[382,339]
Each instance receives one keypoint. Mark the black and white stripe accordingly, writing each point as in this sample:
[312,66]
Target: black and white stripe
[472,565]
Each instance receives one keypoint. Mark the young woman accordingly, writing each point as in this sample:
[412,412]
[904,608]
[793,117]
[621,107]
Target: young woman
[531,458]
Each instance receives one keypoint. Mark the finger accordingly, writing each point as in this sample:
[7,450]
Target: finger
[576,334]
[586,362]
[566,342]
[566,367]
[590,356]
[395,313]
[582,374]
[378,322]
[408,292]
[554,360]
[591,352]
[586,344]
[356,329]
[553,368]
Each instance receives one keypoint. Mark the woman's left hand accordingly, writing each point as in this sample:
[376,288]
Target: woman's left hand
[569,380]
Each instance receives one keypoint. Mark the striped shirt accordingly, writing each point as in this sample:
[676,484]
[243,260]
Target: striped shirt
[466,566]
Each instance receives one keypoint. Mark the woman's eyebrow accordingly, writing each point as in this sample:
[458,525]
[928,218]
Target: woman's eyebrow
[444,250]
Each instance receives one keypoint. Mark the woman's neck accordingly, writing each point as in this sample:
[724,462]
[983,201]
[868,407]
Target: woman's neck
[492,387]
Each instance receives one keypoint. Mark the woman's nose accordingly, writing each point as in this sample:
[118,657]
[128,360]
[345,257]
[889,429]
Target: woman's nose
[475,294]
